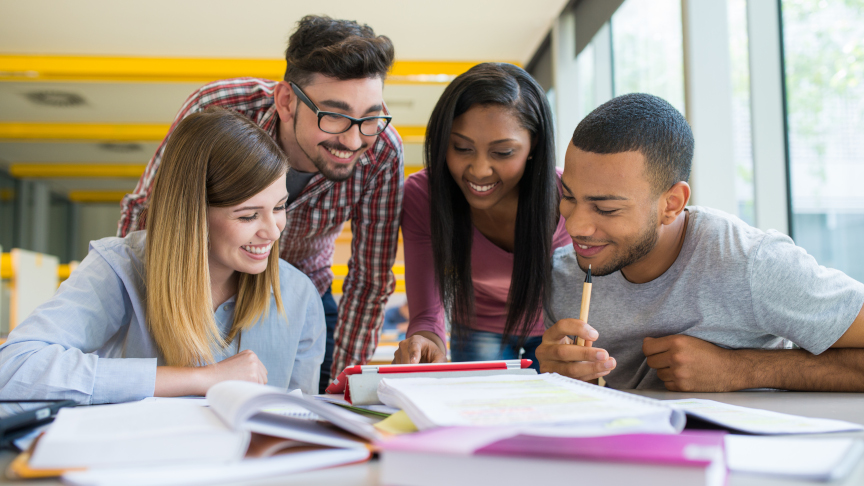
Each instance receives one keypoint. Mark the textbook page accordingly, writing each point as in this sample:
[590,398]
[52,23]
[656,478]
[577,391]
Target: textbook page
[141,433]
[757,421]
[244,405]
[546,404]
[240,472]
[810,459]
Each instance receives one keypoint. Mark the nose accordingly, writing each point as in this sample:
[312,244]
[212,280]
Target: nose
[352,139]
[480,167]
[272,227]
[579,222]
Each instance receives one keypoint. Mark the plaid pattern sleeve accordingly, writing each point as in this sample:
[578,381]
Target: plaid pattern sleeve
[249,96]
[375,228]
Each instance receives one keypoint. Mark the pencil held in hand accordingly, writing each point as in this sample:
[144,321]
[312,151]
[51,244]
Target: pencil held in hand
[586,303]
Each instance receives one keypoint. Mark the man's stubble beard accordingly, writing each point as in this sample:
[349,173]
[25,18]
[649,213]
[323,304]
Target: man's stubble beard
[646,242]
[322,165]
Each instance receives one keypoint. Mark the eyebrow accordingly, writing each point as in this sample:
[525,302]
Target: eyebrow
[605,197]
[490,143]
[247,208]
[341,105]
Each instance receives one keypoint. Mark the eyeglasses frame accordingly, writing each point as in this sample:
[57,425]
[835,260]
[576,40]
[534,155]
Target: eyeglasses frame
[354,121]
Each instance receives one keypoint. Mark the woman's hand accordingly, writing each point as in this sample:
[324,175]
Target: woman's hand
[244,366]
[177,381]
[421,347]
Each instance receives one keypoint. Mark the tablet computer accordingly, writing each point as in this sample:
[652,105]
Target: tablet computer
[19,417]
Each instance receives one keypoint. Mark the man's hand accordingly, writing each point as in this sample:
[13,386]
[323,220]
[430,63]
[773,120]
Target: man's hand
[690,364]
[421,347]
[558,354]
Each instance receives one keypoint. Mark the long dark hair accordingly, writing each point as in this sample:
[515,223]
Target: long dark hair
[536,218]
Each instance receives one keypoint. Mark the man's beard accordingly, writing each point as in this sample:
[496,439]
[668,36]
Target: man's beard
[331,173]
[645,242]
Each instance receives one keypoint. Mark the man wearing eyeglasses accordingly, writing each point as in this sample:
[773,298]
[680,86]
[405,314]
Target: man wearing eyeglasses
[328,115]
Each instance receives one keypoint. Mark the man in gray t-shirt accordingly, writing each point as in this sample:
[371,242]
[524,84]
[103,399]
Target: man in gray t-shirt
[689,297]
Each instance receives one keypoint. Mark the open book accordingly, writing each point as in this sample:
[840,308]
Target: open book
[170,435]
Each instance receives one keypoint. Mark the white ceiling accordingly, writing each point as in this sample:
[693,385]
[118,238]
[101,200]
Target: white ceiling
[449,30]
[445,30]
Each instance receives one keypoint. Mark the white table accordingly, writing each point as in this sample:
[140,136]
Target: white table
[842,406]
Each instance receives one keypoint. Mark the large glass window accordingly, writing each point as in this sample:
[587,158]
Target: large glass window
[741,128]
[647,50]
[823,44]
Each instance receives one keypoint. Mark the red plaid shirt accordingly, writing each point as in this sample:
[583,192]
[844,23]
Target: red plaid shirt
[371,199]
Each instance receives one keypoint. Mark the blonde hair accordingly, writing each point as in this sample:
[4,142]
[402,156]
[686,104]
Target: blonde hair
[215,158]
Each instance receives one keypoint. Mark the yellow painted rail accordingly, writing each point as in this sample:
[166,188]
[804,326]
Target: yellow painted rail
[193,70]
[126,132]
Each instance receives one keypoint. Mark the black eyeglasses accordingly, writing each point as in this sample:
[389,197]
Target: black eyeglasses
[336,123]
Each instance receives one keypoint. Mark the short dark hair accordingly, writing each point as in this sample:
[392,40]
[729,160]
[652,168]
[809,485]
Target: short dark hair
[341,49]
[645,123]
[508,86]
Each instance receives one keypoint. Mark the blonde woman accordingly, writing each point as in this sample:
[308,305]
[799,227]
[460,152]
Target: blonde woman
[200,297]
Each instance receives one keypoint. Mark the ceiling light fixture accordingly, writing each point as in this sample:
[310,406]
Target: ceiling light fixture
[58,99]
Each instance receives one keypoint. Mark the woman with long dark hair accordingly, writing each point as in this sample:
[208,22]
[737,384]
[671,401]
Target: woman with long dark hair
[485,210]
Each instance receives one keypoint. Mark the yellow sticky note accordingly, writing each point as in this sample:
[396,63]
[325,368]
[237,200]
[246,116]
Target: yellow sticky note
[397,424]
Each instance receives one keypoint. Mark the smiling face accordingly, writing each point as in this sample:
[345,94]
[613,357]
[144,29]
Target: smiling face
[242,236]
[311,149]
[487,154]
[610,209]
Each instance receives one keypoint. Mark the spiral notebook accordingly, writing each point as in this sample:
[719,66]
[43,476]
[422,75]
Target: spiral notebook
[555,405]
[547,403]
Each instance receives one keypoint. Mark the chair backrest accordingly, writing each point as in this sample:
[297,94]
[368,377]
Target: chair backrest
[34,281]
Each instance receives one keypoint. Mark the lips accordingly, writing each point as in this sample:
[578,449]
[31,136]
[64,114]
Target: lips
[587,251]
[482,189]
[257,252]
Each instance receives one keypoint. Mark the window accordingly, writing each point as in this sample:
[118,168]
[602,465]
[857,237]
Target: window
[824,70]
[741,128]
[647,50]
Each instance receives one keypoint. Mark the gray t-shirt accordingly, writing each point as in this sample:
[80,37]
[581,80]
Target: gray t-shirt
[732,285]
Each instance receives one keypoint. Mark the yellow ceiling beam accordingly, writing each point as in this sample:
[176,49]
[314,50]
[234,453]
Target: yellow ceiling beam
[76,170]
[200,70]
[124,132]
[412,134]
[96,196]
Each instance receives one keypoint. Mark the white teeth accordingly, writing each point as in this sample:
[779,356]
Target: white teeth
[340,153]
[584,247]
[258,250]
[479,188]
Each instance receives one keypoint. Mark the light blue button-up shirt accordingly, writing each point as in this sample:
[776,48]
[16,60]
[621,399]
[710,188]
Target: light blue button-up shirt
[90,342]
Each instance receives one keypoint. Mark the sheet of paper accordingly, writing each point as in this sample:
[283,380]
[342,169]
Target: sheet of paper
[243,471]
[236,402]
[200,401]
[397,424]
[756,421]
[147,432]
[814,459]
[339,399]
[507,400]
